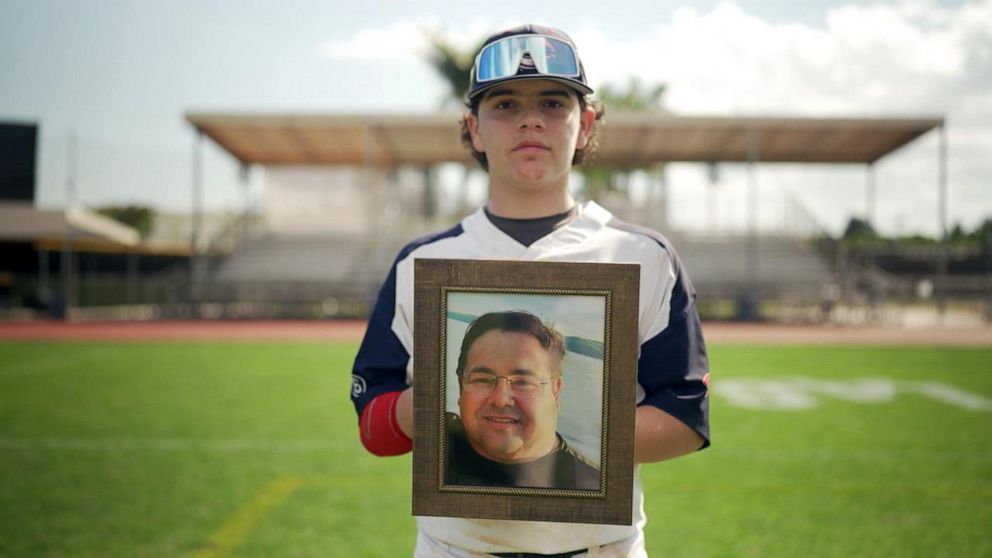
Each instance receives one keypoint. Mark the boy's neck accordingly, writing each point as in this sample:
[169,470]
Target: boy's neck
[524,204]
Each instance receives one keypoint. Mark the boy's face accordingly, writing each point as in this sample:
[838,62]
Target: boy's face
[529,130]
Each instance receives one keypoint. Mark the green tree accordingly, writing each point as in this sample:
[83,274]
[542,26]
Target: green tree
[453,65]
[859,230]
[635,97]
[455,68]
[983,232]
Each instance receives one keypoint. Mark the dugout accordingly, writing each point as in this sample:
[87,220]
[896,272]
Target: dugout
[56,259]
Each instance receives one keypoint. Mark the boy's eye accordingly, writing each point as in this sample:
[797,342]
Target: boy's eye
[504,104]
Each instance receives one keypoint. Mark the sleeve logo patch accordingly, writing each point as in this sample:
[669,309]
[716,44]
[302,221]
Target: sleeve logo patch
[358,386]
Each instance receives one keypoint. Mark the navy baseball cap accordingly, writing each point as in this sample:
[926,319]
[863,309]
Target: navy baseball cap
[528,52]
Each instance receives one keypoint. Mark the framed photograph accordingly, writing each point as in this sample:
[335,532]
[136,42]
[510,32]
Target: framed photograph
[524,387]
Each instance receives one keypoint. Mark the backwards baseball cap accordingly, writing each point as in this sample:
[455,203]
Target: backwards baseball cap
[528,52]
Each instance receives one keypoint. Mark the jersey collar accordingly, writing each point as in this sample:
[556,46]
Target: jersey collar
[591,218]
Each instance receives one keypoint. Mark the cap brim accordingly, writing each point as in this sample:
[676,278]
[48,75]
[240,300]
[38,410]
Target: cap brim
[580,87]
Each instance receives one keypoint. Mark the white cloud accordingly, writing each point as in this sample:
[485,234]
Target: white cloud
[867,58]
[403,40]
[399,41]
[909,58]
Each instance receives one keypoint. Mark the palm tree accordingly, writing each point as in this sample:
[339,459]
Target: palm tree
[453,65]
[635,97]
[600,180]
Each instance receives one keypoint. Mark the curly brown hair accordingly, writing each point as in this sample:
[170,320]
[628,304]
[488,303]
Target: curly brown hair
[581,155]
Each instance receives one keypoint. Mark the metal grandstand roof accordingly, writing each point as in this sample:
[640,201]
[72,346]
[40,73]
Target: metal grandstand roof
[24,222]
[627,139]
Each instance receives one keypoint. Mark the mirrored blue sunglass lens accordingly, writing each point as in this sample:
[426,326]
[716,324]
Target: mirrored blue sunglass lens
[550,56]
[560,59]
[494,63]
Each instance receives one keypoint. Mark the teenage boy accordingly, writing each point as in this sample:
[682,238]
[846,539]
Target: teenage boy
[529,121]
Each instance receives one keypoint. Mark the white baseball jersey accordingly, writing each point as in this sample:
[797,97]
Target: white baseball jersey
[672,362]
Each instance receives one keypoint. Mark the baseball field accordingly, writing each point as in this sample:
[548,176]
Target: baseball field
[228,448]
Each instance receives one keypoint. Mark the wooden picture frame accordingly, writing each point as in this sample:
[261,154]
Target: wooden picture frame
[584,301]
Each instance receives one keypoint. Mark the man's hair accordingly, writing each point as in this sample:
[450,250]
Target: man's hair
[516,321]
[581,155]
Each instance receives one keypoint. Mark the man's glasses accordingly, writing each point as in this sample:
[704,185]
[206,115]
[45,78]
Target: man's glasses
[501,59]
[478,383]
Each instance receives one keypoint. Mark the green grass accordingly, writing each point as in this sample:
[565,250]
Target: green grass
[152,449]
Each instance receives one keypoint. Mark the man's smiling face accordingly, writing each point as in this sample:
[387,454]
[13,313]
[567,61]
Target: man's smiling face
[501,425]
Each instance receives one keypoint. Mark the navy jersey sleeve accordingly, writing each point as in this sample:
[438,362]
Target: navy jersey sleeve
[380,366]
[673,367]
[382,360]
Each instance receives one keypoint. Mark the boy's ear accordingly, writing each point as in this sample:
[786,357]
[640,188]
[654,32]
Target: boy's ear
[472,123]
[586,121]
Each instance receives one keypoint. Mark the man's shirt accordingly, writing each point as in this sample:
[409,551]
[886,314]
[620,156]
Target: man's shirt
[562,468]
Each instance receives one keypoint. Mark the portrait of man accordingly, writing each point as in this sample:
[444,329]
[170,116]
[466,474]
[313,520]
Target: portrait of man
[510,380]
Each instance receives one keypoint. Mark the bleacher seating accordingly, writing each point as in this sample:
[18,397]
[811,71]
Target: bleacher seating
[783,267]
[303,268]
[343,266]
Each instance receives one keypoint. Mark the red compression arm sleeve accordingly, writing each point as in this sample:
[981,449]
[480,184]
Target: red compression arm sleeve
[380,430]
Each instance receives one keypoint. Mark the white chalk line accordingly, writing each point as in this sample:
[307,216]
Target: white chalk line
[50,362]
[850,455]
[797,393]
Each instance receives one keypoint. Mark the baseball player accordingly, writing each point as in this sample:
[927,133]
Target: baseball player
[529,120]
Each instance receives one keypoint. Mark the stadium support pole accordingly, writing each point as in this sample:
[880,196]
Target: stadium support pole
[870,194]
[68,269]
[713,174]
[44,278]
[131,280]
[874,290]
[429,193]
[942,223]
[751,298]
[196,264]
[659,195]
[370,189]
[244,175]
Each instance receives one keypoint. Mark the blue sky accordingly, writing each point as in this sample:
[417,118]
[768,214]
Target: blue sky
[121,74]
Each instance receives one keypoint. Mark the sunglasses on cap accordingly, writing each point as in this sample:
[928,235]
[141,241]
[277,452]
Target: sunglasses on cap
[546,55]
